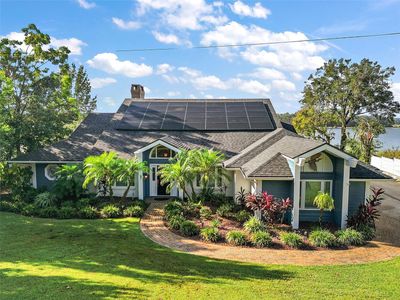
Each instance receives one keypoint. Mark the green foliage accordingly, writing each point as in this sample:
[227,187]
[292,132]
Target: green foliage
[291,239]
[261,239]
[68,184]
[29,210]
[225,210]
[350,237]
[346,90]
[205,212]
[45,199]
[176,221]
[133,211]
[237,238]
[215,223]
[8,206]
[322,238]
[110,211]
[127,170]
[367,231]
[41,97]
[210,234]
[88,212]
[17,180]
[173,208]
[389,153]
[323,201]
[48,212]
[242,216]
[67,212]
[189,228]
[253,225]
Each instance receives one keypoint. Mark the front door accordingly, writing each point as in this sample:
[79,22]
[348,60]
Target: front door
[156,188]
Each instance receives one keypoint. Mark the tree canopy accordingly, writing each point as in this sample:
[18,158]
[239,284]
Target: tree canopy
[42,96]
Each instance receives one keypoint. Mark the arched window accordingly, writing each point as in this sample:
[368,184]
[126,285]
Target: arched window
[50,170]
[161,151]
[319,162]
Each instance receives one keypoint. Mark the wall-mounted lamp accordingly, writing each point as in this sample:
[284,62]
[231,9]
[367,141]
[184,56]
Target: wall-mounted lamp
[145,175]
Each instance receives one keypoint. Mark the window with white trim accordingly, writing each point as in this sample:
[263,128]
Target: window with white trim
[50,171]
[310,188]
[218,179]
[161,151]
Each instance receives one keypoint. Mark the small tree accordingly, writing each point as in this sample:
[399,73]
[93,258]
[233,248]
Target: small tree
[127,171]
[324,202]
[102,171]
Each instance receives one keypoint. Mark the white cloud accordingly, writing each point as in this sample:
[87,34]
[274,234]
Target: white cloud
[109,63]
[98,83]
[147,90]
[110,101]
[189,71]
[250,86]
[126,25]
[207,82]
[296,76]
[267,73]
[170,78]
[73,44]
[173,93]
[164,68]
[86,4]
[282,84]
[257,11]
[182,14]
[396,91]
[166,38]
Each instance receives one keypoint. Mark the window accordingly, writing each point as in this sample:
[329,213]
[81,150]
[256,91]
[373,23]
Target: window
[319,162]
[50,172]
[310,188]
[218,180]
[161,152]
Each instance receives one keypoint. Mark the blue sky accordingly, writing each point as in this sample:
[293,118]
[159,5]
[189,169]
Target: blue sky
[94,30]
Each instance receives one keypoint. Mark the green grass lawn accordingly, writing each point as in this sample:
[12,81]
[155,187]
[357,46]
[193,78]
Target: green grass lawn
[108,259]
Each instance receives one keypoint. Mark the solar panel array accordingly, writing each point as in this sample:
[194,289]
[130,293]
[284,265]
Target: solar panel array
[204,115]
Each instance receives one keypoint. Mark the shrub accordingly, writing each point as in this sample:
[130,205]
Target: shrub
[8,206]
[368,232]
[261,239]
[210,234]
[253,225]
[45,199]
[323,201]
[88,212]
[191,209]
[237,238]
[215,223]
[242,216]
[110,211]
[133,211]
[225,210]
[68,184]
[291,239]
[140,203]
[48,212]
[350,237]
[67,204]
[29,210]
[173,208]
[67,212]
[189,228]
[175,222]
[83,202]
[322,238]
[205,212]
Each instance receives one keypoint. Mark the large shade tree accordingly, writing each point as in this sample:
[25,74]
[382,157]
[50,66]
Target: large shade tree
[346,90]
[42,97]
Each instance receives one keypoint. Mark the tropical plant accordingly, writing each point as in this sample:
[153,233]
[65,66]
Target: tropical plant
[215,223]
[133,211]
[367,212]
[261,239]
[367,231]
[322,238]
[225,210]
[88,212]
[323,201]
[69,181]
[45,199]
[350,237]
[67,213]
[241,196]
[258,203]
[253,225]
[173,208]
[242,216]
[237,238]
[210,234]
[272,208]
[189,228]
[48,212]
[291,239]
[102,171]
[205,212]
[110,211]
[127,171]
[176,221]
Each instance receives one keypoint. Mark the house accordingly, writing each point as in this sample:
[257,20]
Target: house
[262,153]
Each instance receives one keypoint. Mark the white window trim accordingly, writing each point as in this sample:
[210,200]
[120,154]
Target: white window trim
[303,194]
[46,172]
[154,150]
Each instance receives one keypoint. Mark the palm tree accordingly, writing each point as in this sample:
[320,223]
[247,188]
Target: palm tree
[207,164]
[101,170]
[179,173]
[69,181]
[127,170]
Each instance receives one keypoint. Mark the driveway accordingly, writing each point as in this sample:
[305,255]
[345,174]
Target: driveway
[388,226]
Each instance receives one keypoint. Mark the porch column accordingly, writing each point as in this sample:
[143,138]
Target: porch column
[253,186]
[345,195]
[367,190]
[140,178]
[296,196]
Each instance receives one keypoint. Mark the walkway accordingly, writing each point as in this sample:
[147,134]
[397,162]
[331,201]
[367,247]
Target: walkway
[153,227]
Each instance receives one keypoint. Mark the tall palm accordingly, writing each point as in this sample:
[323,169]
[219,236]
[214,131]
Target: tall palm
[101,170]
[207,164]
[179,173]
[127,171]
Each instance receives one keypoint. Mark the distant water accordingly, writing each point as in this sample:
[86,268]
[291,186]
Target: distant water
[391,139]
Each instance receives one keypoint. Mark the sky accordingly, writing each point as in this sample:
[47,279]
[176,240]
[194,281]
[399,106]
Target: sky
[96,30]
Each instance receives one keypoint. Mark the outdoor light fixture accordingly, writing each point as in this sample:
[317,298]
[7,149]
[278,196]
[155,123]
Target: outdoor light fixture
[146,175]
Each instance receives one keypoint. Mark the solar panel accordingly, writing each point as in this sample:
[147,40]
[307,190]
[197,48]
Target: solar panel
[189,115]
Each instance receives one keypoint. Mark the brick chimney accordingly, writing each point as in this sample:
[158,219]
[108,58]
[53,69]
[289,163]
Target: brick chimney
[137,91]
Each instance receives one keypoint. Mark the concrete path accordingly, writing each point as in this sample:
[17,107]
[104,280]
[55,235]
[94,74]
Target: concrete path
[153,227]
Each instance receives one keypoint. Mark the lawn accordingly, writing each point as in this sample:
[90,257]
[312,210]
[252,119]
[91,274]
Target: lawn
[108,259]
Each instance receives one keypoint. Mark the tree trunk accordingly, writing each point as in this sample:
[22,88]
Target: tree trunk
[111,192]
[321,211]
[124,196]
[343,136]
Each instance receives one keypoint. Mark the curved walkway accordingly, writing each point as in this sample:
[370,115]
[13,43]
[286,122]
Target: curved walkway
[153,227]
